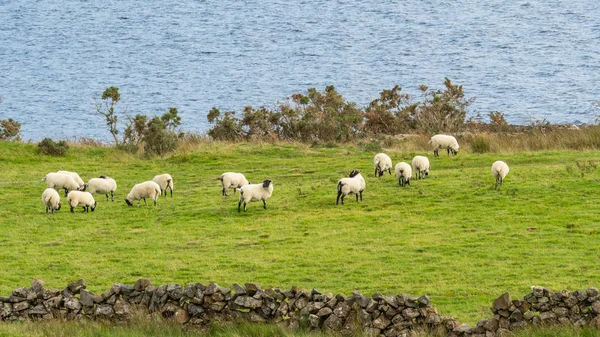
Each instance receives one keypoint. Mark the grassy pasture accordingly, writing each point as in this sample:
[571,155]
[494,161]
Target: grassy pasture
[452,236]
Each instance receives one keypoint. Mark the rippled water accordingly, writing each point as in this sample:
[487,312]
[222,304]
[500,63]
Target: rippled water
[536,59]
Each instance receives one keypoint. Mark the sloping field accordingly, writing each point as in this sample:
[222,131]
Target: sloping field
[451,236]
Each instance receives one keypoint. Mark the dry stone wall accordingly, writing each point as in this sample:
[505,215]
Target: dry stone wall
[377,315]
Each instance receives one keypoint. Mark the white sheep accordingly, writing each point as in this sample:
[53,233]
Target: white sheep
[51,200]
[103,185]
[420,165]
[499,171]
[147,189]
[355,184]
[59,181]
[403,173]
[164,181]
[444,142]
[382,162]
[76,177]
[232,179]
[255,192]
[79,198]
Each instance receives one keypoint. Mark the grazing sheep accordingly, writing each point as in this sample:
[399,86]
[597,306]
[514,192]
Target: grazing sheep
[59,181]
[51,200]
[84,199]
[255,192]
[164,181]
[403,173]
[444,142]
[420,165]
[499,171]
[232,179]
[103,185]
[353,185]
[76,177]
[382,162]
[147,189]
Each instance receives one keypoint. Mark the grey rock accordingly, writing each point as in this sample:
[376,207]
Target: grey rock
[547,316]
[19,306]
[324,312]
[596,307]
[592,292]
[248,302]
[381,322]
[342,310]
[239,290]
[314,321]
[252,288]
[463,328]
[175,291]
[72,303]
[75,287]
[86,298]
[255,317]
[21,292]
[218,306]
[424,301]
[537,291]
[491,324]
[410,313]
[333,322]
[516,316]
[195,310]
[561,311]
[502,302]
[104,311]
[142,284]
[301,302]
[122,308]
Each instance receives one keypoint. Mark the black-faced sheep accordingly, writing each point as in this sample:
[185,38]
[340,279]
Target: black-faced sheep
[255,192]
[355,184]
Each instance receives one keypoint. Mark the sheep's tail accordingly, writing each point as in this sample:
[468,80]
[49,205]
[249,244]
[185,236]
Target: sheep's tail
[220,178]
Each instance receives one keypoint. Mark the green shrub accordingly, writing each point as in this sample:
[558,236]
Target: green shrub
[49,147]
[372,146]
[10,129]
[480,145]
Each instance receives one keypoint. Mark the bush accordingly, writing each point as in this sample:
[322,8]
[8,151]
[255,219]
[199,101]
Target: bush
[480,145]
[49,147]
[10,130]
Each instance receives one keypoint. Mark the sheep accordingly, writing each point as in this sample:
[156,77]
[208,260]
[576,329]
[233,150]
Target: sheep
[355,184]
[444,142]
[499,171]
[403,173]
[255,192]
[382,162]
[103,185]
[232,179]
[420,165]
[84,199]
[147,189]
[77,178]
[164,181]
[59,181]
[51,200]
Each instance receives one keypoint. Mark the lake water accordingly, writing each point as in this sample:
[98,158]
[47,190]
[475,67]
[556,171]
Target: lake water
[527,59]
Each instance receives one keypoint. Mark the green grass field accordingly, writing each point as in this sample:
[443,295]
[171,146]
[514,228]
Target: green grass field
[451,236]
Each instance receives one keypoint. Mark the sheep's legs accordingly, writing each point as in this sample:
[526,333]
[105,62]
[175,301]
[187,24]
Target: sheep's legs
[155,201]
[337,201]
[360,195]
[224,192]
[265,204]
[390,171]
[245,203]
[145,203]
[112,195]
[170,188]
[72,209]
[435,153]
[106,196]
[66,192]
[357,197]
[239,205]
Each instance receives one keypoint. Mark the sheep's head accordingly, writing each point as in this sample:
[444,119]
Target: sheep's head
[103,177]
[58,208]
[83,188]
[266,183]
[93,207]
[354,173]
[128,202]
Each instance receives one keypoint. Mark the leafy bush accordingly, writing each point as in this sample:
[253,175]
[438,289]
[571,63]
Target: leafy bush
[10,130]
[498,122]
[49,147]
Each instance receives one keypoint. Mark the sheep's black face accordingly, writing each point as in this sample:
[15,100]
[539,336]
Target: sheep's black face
[266,183]
[58,208]
[94,206]
[103,177]
[128,202]
[354,173]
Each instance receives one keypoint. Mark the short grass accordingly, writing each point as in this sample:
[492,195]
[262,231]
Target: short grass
[451,236]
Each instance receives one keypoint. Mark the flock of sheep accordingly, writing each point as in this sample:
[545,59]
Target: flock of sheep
[74,186]
[355,183]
